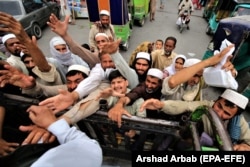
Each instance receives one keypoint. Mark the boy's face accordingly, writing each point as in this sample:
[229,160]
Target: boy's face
[119,85]
[158,45]
[223,110]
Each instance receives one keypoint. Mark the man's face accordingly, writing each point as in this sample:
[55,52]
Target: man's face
[105,21]
[29,63]
[73,81]
[61,48]
[195,79]
[119,85]
[152,84]
[169,47]
[141,66]
[10,46]
[224,111]
[107,62]
[101,41]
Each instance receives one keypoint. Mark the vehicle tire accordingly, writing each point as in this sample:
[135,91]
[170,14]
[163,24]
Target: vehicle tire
[36,31]
[125,47]
[208,30]
[141,22]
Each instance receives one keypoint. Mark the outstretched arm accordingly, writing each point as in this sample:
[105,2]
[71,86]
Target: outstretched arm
[15,27]
[185,74]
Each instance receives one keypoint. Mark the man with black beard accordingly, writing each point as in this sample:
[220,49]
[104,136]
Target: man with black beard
[163,58]
[36,64]
[10,42]
[102,26]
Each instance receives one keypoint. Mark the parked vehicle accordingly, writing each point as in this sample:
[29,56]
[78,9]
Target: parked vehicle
[227,8]
[139,10]
[119,16]
[237,31]
[33,14]
[209,9]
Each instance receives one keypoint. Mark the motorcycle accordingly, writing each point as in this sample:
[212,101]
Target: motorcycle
[182,21]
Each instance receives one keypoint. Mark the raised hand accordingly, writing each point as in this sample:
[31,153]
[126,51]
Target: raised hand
[59,102]
[57,26]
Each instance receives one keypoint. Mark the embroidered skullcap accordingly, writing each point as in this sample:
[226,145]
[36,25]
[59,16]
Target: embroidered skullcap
[104,12]
[191,61]
[155,72]
[143,55]
[80,68]
[57,41]
[7,36]
[235,97]
[101,34]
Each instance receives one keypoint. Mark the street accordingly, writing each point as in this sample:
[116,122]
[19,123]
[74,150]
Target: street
[193,41]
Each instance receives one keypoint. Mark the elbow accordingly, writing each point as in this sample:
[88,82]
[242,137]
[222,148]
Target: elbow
[171,83]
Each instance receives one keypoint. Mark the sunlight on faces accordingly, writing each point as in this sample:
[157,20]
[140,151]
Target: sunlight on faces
[224,111]
[141,66]
[61,48]
[119,85]
[169,47]
[152,84]
[73,81]
[106,61]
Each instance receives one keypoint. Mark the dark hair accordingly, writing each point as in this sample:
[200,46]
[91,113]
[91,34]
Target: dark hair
[160,40]
[231,105]
[74,72]
[171,38]
[24,56]
[115,74]
[86,46]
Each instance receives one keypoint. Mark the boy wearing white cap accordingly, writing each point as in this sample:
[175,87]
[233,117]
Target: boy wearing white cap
[102,26]
[228,106]
[151,88]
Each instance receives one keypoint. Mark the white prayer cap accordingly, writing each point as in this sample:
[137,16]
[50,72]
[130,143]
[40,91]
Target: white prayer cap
[235,97]
[101,34]
[80,68]
[57,41]
[143,55]
[7,36]
[191,61]
[104,12]
[155,72]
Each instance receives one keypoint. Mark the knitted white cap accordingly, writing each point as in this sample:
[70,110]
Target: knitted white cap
[155,72]
[143,55]
[104,12]
[191,61]
[57,41]
[235,97]
[7,36]
[101,34]
[81,68]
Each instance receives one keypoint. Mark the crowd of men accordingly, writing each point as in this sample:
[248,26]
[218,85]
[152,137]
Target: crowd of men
[155,81]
